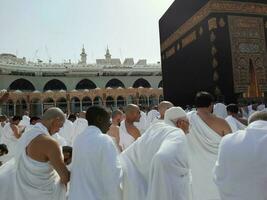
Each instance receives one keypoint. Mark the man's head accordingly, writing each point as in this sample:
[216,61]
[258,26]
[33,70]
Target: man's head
[177,116]
[16,119]
[132,113]
[163,106]
[35,120]
[26,113]
[67,153]
[99,117]
[117,117]
[72,117]
[257,116]
[53,119]
[232,109]
[204,100]
[3,118]
[3,149]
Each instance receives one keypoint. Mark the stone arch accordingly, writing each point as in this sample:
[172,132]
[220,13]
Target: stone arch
[8,108]
[48,103]
[86,103]
[114,83]
[55,84]
[22,84]
[75,105]
[110,102]
[36,107]
[131,100]
[98,100]
[121,101]
[143,100]
[161,98]
[153,100]
[85,84]
[21,106]
[62,104]
[141,83]
[160,84]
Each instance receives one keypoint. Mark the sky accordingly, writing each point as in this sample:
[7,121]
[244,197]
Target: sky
[57,29]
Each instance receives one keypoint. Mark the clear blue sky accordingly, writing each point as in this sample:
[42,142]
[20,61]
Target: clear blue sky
[59,28]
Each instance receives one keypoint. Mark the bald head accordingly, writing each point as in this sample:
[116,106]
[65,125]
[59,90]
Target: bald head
[258,116]
[53,113]
[53,119]
[163,106]
[82,114]
[132,113]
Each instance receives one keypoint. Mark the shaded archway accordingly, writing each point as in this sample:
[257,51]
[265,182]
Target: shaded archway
[114,83]
[143,100]
[153,100]
[161,98]
[141,83]
[75,105]
[48,103]
[121,101]
[55,85]
[62,104]
[85,84]
[131,100]
[160,84]
[36,107]
[110,102]
[86,103]
[8,108]
[98,101]
[21,107]
[21,84]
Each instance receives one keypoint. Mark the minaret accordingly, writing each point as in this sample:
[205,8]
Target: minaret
[108,55]
[83,56]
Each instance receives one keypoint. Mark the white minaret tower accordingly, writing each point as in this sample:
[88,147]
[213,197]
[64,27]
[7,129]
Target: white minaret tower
[83,56]
[108,55]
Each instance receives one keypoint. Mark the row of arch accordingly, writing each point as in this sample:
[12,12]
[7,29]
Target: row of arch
[55,84]
[37,107]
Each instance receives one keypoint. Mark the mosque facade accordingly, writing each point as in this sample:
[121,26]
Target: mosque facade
[35,86]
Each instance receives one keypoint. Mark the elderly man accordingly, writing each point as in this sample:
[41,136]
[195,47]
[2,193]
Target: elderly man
[128,131]
[95,173]
[155,167]
[240,171]
[38,170]
[206,132]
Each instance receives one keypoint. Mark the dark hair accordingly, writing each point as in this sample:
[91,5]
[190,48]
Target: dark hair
[15,118]
[72,116]
[34,119]
[94,113]
[67,149]
[3,148]
[232,108]
[203,99]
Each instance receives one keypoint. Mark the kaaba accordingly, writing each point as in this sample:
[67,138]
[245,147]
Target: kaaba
[217,46]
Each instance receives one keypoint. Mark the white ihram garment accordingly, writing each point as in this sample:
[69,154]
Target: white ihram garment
[240,171]
[155,167]
[95,170]
[125,138]
[219,109]
[203,145]
[234,124]
[27,179]
[79,125]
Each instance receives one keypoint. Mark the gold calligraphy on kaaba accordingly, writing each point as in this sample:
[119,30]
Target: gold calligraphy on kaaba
[212,23]
[214,6]
[248,53]
[189,39]
[170,52]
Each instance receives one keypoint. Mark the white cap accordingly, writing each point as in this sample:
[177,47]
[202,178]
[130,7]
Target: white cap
[174,113]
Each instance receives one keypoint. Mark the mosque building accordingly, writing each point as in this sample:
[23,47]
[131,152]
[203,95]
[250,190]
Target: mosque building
[35,86]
